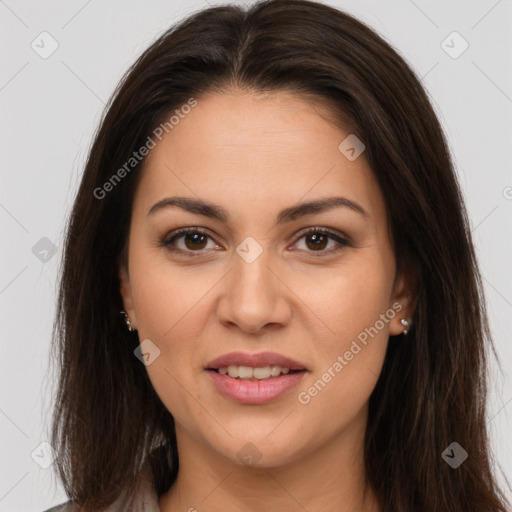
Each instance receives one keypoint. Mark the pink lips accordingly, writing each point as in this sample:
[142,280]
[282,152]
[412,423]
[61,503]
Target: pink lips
[255,392]
[254,361]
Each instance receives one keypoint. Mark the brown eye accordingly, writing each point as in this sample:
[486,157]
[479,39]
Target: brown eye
[317,239]
[194,240]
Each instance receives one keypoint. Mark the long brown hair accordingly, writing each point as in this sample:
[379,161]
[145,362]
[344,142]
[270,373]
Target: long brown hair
[432,389]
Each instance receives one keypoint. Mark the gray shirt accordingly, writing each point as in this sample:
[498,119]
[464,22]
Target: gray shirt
[146,497]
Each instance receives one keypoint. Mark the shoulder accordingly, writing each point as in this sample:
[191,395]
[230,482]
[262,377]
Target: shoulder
[146,498]
[63,507]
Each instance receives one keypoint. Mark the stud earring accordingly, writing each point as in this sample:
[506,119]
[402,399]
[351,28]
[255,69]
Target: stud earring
[127,321]
[405,323]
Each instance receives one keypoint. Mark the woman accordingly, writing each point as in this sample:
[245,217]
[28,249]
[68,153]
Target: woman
[271,205]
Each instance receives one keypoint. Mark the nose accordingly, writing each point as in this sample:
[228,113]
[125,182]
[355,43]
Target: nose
[254,297]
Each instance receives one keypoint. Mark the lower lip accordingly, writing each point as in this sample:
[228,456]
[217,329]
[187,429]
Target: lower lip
[255,392]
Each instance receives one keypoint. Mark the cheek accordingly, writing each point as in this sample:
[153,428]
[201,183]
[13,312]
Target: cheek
[349,300]
[170,306]
[355,311]
[170,301]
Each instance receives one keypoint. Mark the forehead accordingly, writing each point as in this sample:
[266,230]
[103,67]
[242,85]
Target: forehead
[256,153]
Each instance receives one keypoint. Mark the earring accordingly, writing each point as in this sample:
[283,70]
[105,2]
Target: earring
[405,323]
[127,321]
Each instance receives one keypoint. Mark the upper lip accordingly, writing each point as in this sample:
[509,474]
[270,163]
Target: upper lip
[254,361]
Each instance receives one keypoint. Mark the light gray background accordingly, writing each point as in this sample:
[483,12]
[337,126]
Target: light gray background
[50,107]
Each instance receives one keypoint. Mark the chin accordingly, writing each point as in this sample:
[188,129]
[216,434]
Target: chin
[258,451]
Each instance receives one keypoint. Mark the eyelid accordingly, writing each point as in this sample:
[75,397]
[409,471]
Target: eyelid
[178,233]
[321,229]
[341,239]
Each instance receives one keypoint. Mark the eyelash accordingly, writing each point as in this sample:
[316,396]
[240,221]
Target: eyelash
[343,242]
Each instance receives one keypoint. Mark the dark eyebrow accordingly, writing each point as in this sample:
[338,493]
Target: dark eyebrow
[200,207]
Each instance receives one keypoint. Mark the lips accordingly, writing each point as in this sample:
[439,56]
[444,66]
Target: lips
[254,391]
[254,361]
[249,392]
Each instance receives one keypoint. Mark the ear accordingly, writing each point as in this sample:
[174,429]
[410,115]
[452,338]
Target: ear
[404,299]
[126,295]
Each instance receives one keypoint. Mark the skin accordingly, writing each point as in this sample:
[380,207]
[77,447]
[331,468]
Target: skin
[255,155]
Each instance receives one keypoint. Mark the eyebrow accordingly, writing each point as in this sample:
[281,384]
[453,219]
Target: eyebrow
[213,211]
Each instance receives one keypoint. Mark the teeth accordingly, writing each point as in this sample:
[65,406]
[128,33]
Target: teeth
[261,373]
[246,372]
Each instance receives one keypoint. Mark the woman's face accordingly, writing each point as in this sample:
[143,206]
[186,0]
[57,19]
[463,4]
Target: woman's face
[252,280]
